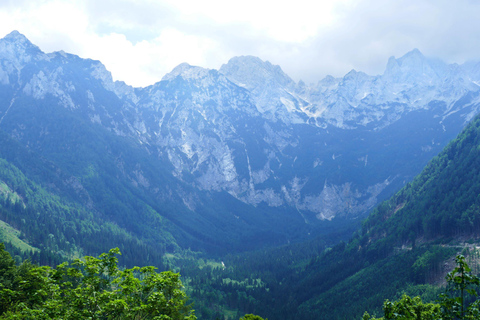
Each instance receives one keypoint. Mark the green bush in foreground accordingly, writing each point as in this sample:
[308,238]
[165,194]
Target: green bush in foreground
[92,288]
[458,302]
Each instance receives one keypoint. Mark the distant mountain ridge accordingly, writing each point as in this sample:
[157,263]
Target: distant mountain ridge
[244,146]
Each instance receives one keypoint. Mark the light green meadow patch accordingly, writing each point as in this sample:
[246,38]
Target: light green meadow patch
[7,192]
[10,234]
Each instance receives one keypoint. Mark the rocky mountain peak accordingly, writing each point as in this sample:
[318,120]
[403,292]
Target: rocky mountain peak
[473,70]
[251,72]
[17,37]
[272,90]
[187,72]
[414,68]
[355,76]
[412,55]
[409,60]
[16,47]
[328,81]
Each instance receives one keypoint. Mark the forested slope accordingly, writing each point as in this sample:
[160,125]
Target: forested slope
[399,246]
[405,245]
[443,201]
[56,217]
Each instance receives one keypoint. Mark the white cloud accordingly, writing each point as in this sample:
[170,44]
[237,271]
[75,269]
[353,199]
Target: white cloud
[291,21]
[141,40]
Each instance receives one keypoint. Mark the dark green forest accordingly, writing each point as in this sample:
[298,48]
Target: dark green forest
[59,228]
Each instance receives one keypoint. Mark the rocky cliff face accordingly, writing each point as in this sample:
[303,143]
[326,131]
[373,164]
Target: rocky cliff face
[323,150]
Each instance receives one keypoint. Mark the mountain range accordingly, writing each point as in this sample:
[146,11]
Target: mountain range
[229,159]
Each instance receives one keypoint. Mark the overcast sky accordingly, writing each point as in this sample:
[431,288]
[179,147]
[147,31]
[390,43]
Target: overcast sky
[140,41]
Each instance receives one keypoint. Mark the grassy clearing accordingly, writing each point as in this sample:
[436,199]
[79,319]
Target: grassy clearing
[247,283]
[10,234]
[187,257]
[210,263]
[7,192]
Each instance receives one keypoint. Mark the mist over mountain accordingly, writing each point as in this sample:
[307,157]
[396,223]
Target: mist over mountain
[233,158]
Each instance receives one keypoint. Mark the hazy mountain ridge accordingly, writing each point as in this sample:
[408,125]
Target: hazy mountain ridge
[322,151]
[409,83]
[357,100]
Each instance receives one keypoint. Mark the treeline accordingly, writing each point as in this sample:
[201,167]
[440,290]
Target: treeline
[62,230]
